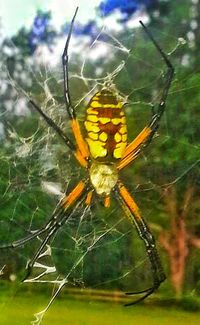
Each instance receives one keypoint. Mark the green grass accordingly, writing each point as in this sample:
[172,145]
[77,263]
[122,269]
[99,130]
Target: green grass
[20,309]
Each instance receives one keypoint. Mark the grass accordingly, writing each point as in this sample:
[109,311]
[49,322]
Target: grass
[19,309]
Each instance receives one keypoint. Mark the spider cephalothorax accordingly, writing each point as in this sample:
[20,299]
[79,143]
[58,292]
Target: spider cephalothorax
[104,152]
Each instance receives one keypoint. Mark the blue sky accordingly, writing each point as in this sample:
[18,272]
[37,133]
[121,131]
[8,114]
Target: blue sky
[18,13]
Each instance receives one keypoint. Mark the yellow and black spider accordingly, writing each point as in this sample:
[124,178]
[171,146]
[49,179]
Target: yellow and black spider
[104,152]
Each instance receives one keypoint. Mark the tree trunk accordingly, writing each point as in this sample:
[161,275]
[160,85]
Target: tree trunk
[175,245]
[177,240]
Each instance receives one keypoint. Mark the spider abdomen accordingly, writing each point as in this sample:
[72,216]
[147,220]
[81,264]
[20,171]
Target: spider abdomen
[106,127]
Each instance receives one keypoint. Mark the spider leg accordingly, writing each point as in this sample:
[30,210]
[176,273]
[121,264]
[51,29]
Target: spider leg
[81,151]
[66,203]
[82,145]
[132,212]
[168,76]
[144,138]
[18,243]
[51,231]
[135,147]
[56,221]
[65,59]
[61,134]
[21,242]
[31,263]
[58,212]
[54,126]
[148,293]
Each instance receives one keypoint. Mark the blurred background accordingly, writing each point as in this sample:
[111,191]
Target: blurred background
[97,252]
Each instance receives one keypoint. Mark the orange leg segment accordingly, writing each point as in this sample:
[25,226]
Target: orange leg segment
[82,152]
[128,199]
[132,212]
[107,202]
[132,150]
[88,200]
[73,195]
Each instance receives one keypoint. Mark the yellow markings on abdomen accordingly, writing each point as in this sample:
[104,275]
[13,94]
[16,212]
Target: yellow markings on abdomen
[118,137]
[94,103]
[106,128]
[93,136]
[90,110]
[92,118]
[92,127]
[120,148]
[104,120]
[116,121]
[123,129]
[97,148]
[103,136]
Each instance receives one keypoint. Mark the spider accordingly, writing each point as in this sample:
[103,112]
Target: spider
[104,152]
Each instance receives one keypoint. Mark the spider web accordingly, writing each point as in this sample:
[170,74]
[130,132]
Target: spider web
[99,248]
